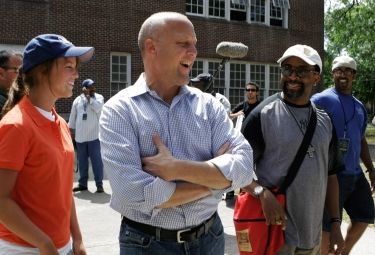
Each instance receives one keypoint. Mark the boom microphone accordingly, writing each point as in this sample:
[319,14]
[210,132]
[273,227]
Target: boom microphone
[231,49]
[227,50]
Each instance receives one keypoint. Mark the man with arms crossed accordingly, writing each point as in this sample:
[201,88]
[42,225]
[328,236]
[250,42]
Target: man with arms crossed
[163,146]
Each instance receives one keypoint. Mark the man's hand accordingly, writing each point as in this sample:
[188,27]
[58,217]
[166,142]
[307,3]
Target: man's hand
[272,210]
[160,165]
[336,242]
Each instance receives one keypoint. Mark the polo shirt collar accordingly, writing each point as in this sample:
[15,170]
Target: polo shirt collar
[34,114]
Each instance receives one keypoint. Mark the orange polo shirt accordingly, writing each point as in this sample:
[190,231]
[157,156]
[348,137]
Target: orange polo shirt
[42,153]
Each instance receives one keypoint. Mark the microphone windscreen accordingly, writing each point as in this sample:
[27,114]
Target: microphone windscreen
[232,49]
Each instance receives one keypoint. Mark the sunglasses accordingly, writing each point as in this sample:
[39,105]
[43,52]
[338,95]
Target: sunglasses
[301,72]
[251,90]
[15,69]
[346,72]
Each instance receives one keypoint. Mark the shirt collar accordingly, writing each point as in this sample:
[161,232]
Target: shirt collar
[140,87]
[34,114]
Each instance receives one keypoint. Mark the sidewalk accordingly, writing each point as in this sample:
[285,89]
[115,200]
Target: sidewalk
[100,225]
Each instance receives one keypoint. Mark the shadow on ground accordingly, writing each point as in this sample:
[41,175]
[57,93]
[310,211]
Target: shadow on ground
[97,198]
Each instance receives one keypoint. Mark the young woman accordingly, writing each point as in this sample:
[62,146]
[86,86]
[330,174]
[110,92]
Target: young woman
[37,211]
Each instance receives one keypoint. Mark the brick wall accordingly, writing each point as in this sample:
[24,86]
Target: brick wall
[111,25]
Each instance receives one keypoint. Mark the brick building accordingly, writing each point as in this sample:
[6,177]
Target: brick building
[267,27]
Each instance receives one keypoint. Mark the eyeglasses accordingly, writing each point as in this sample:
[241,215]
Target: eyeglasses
[301,72]
[346,71]
[251,90]
[15,69]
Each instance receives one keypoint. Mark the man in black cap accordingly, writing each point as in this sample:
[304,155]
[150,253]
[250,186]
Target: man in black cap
[84,124]
[204,82]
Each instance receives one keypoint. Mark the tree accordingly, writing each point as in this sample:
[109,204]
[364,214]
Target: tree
[350,28]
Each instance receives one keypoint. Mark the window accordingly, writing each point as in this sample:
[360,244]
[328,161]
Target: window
[274,80]
[216,8]
[281,3]
[194,6]
[237,11]
[237,83]
[257,11]
[258,75]
[276,16]
[120,72]
[267,12]
[219,80]
[197,68]
[232,78]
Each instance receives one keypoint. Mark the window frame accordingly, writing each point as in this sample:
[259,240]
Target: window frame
[127,82]
[268,81]
[231,8]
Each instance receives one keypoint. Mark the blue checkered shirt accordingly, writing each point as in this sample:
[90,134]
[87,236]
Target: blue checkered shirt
[193,127]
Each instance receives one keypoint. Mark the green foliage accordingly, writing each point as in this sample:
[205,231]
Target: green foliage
[351,29]
[370,134]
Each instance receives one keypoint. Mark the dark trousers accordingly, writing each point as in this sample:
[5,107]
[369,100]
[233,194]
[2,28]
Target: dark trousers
[135,242]
[85,151]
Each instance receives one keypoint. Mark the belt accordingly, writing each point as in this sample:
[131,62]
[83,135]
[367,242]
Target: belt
[179,236]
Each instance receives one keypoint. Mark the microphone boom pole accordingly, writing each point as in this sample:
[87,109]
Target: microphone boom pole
[228,50]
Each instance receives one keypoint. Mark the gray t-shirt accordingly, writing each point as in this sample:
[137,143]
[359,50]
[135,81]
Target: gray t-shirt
[275,130]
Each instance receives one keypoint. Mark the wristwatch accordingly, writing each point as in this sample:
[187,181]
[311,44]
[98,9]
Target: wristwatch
[258,190]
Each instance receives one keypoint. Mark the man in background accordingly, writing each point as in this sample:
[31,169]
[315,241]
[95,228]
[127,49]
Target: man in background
[84,125]
[349,117]
[204,82]
[245,107]
[10,63]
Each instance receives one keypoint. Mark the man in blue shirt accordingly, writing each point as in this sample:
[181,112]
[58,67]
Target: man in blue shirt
[350,120]
[163,146]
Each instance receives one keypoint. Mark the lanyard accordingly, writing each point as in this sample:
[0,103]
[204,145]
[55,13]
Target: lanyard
[346,122]
[85,105]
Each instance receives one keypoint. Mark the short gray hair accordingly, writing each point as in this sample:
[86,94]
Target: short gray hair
[152,25]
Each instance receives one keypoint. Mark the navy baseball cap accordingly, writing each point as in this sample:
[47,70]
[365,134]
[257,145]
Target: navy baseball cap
[50,46]
[87,83]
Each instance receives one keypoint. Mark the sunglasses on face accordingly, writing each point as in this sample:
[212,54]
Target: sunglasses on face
[251,90]
[346,72]
[15,69]
[301,72]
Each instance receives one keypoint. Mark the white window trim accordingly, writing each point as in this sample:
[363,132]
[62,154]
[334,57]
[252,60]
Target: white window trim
[285,12]
[226,69]
[128,67]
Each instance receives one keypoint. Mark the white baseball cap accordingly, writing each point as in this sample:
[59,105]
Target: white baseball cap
[304,52]
[344,61]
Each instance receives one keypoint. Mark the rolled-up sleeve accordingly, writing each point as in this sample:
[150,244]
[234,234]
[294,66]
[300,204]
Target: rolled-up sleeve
[132,187]
[237,164]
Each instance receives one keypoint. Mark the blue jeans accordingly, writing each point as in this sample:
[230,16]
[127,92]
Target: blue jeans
[84,151]
[135,242]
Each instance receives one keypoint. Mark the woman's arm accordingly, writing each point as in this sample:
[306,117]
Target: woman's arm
[14,219]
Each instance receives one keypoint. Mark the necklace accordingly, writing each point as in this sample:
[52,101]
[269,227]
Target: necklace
[310,150]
